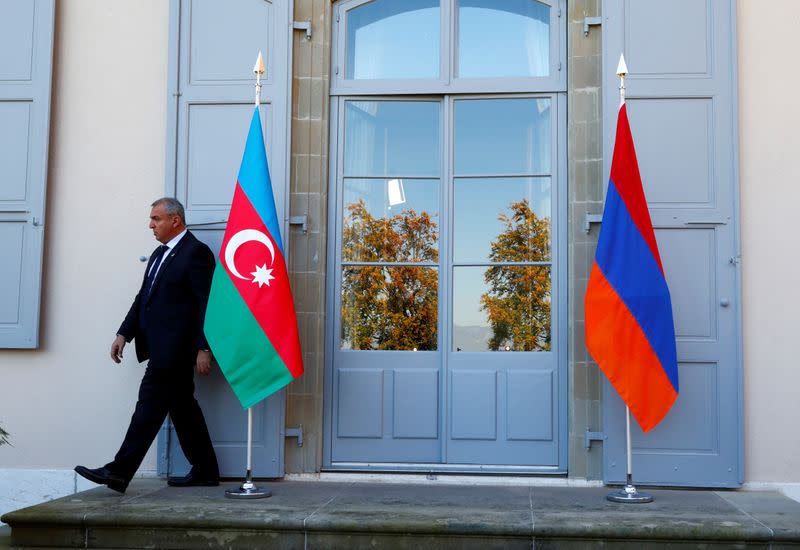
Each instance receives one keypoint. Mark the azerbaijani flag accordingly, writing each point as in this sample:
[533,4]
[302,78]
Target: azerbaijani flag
[629,327]
[250,321]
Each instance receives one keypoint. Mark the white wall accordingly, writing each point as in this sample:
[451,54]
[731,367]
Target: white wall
[769,143]
[67,403]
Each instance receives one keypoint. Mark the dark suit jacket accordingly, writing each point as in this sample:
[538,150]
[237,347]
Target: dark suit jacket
[174,312]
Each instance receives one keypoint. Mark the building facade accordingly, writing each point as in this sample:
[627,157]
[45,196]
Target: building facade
[440,167]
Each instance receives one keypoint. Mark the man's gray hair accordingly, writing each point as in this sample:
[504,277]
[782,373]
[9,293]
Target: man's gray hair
[172,206]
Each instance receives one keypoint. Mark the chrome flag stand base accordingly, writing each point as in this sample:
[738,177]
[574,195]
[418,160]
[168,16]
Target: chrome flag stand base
[248,489]
[630,495]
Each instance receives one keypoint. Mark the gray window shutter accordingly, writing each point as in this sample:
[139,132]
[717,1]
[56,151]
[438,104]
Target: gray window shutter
[681,100]
[26,51]
[213,89]
[213,47]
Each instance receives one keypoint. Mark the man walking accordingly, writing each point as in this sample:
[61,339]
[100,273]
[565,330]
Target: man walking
[166,322]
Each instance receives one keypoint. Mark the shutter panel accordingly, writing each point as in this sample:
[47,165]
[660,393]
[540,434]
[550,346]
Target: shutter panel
[681,97]
[26,50]
[214,46]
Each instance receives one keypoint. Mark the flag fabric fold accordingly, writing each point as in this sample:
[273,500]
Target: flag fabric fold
[628,310]
[250,321]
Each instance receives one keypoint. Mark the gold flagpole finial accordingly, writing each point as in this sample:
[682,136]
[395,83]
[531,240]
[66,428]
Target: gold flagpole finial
[258,68]
[622,67]
[622,72]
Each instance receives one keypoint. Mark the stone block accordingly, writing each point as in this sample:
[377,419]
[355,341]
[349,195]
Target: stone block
[300,136]
[585,105]
[318,173]
[581,45]
[316,134]
[578,340]
[319,65]
[584,72]
[303,86]
[302,53]
[579,390]
[318,98]
[299,176]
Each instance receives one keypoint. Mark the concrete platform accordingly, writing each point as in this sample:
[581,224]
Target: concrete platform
[330,515]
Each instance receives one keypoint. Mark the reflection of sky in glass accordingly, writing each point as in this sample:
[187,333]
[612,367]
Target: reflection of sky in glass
[392,138]
[421,196]
[468,286]
[478,203]
[471,328]
[519,34]
[392,39]
[502,136]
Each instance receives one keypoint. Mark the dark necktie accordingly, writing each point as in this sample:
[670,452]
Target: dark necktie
[151,276]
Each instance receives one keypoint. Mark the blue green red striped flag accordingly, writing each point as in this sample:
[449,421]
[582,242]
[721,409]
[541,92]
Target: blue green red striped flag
[250,321]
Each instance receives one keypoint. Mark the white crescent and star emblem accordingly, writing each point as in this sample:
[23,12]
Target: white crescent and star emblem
[262,275]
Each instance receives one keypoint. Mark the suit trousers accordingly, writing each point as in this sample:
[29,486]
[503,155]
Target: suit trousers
[167,390]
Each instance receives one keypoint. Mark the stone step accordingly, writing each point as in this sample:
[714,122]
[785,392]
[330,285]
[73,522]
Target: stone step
[303,514]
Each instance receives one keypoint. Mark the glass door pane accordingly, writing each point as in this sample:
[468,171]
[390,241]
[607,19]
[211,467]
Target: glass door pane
[400,138]
[502,136]
[501,219]
[502,225]
[391,39]
[502,308]
[390,220]
[390,307]
[390,226]
[519,34]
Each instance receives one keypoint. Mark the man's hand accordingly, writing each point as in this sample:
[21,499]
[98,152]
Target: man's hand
[116,348]
[203,362]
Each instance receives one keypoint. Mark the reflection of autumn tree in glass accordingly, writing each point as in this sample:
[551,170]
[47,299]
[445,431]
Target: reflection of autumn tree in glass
[389,307]
[518,300]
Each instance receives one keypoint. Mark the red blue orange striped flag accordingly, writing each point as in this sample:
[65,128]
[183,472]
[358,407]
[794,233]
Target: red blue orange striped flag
[250,320]
[629,327]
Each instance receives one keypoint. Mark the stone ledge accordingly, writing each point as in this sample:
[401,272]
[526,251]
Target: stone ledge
[372,515]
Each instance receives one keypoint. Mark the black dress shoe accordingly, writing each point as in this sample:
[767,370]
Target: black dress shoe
[193,480]
[103,476]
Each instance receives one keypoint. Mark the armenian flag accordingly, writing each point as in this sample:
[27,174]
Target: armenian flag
[628,310]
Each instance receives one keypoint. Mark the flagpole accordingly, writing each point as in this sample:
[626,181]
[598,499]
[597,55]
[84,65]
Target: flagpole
[248,489]
[627,494]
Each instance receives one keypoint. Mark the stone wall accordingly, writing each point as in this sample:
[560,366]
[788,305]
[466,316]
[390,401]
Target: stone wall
[585,189]
[309,196]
